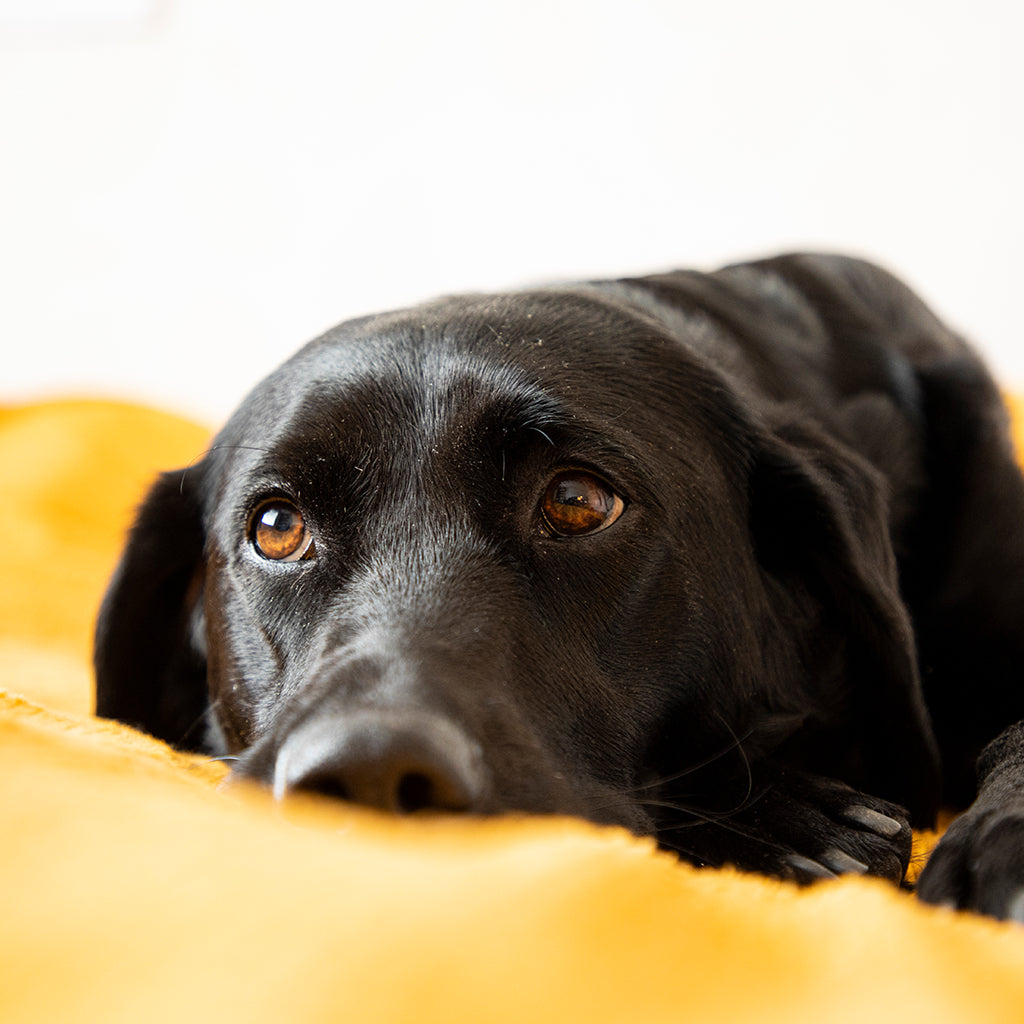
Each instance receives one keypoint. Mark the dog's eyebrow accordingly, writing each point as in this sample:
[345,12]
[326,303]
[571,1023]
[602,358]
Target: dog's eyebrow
[536,417]
[520,406]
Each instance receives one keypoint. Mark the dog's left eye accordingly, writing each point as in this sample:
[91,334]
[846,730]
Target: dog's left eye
[279,532]
[577,504]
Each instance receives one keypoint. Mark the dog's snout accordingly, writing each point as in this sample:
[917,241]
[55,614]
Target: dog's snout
[395,761]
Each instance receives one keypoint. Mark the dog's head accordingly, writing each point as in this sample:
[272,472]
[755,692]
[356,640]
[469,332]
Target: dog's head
[528,552]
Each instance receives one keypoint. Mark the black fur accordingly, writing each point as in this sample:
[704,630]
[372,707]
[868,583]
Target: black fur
[813,597]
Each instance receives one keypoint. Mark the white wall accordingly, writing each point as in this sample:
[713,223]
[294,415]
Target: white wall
[191,188]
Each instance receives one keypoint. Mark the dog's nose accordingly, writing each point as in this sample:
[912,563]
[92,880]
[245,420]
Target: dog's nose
[390,760]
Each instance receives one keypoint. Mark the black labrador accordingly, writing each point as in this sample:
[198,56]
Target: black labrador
[732,559]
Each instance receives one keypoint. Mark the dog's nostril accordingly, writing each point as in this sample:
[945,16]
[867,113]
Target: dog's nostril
[416,793]
[388,787]
[326,784]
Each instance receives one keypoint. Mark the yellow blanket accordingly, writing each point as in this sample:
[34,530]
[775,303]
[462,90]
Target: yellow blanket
[133,887]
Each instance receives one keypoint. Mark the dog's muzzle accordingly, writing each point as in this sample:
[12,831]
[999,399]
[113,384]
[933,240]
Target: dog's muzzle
[393,760]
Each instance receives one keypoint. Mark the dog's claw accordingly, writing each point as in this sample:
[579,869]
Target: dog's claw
[842,863]
[807,868]
[1015,907]
[873,821]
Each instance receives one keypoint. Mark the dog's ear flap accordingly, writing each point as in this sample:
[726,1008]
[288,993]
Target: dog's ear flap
[149,652]
[819,517]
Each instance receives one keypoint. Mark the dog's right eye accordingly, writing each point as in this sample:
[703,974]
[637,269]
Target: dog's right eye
[279,532]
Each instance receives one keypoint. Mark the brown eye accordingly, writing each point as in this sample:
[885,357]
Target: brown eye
[279,531]
[576,504]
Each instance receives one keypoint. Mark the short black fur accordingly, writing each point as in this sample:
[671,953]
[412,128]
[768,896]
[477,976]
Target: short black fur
[793,631]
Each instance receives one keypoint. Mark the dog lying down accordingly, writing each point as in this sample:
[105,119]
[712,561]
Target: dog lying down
[731,559]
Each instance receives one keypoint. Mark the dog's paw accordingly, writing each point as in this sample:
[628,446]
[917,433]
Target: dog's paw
[804,828]
[979,863]
[831,829]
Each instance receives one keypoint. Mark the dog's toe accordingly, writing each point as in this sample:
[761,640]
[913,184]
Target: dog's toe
[979,864]
[805,828]
[849,832]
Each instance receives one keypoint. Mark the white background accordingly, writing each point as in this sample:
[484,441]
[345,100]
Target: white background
[189,189]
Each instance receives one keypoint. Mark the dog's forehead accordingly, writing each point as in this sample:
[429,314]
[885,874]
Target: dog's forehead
[460,375]
[528,354]
[387,390]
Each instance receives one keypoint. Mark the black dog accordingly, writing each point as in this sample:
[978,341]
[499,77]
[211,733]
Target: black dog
[735,559]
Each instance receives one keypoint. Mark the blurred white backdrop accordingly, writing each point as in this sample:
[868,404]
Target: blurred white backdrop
[189,189]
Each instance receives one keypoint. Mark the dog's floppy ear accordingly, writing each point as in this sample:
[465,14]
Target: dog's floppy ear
[819,517]
[149,658]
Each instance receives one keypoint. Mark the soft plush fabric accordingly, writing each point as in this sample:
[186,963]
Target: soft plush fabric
[136,886]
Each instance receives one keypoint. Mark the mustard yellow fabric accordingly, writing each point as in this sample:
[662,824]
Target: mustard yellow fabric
[136,887]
